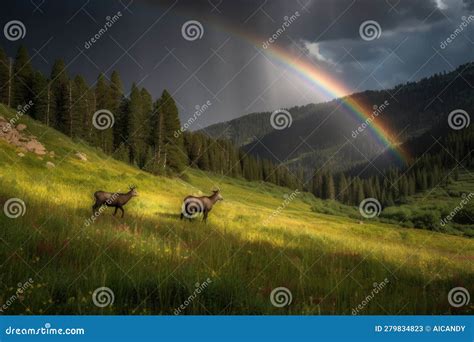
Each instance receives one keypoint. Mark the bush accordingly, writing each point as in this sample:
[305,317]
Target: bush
[426,219]
[396,214]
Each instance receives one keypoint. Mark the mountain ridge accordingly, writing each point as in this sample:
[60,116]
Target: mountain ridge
[412,111]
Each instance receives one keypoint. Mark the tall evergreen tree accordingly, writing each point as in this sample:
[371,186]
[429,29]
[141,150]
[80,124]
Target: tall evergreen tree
[116,107]
[136,136]
[5,86]
[40,97]
[103,97]
[22,78]
[172,154]
[59,87]
[80,108]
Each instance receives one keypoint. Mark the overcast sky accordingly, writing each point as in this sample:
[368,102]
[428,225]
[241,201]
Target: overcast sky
[238,76]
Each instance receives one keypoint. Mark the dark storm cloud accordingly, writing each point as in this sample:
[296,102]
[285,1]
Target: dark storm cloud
[469,4]
[236,75]
[323,19]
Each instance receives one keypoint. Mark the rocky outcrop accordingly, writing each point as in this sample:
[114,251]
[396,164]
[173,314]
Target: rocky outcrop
[17,136]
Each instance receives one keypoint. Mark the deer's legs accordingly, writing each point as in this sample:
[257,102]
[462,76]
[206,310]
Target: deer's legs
[123,212]
[115,212]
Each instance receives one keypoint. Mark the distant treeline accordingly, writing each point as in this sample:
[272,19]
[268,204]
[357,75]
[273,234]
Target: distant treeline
[392,186]
[145,132]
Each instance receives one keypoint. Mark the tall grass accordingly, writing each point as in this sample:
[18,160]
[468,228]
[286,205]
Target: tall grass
[152,261]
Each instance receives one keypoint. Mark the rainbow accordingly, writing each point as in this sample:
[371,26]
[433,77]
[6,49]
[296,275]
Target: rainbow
[335,90]
[324,82]
[332,88]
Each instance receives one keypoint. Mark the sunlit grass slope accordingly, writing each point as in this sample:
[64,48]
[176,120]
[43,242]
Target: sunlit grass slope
[152,261]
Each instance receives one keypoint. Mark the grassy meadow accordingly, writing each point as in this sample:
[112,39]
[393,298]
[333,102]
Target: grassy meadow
[152,261]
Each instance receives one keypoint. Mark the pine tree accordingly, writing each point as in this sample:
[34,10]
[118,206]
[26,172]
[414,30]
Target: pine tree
[104,133]
[80,107]
[360,192]
[39,89]
[136,138]
[156,136]
[173,156]
[59,87]
[116,107]
[342,191]
[4,77]
[22,78]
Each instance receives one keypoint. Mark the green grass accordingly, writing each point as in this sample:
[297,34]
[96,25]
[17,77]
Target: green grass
[425,210]
[152,260]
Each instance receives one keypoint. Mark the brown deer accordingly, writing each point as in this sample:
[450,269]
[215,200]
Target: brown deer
[193,205]
[113,199]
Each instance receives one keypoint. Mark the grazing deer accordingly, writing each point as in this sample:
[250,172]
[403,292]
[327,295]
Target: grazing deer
[193,205]
[113,199]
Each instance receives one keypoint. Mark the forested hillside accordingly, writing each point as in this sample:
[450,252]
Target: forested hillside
[138,129]
[413,108]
